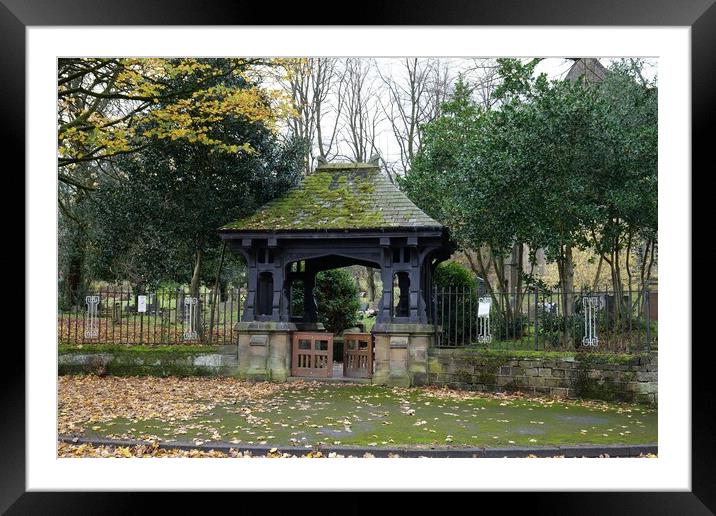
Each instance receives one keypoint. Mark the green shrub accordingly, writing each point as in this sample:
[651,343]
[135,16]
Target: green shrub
[504,328]
[452,274]
[554,329]
[456,302]
[296,300]
[337,299]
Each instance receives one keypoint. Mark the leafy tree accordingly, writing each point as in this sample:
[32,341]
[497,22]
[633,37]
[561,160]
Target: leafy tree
[109,108]
[337,299]
[465,175]
[555,165]
[159,221]
[550,127]
[624,184]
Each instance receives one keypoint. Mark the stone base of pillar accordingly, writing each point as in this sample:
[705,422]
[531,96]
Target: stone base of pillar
[401,353]
[264,350]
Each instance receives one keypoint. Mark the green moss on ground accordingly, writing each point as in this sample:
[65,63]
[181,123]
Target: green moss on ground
[379,416]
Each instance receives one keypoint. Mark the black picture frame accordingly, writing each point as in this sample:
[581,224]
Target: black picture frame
[700,15]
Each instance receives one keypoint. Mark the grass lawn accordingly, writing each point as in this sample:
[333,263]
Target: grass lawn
[308,414]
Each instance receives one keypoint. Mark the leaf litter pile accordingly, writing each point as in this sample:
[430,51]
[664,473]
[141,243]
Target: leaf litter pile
[310,415]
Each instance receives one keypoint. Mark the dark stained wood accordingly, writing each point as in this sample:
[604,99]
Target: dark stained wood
[404,243]
[414,259]
[312,354]
[358,355]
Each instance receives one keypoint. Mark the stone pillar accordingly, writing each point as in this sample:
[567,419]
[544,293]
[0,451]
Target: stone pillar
[401,353]
[265,350]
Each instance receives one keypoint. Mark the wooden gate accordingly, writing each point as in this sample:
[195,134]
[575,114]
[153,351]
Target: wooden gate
[358,355]
[312,355]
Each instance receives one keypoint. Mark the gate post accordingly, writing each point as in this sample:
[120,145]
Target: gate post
[401,353]
[265,350]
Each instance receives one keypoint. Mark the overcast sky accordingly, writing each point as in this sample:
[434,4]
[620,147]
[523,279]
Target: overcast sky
[554,68]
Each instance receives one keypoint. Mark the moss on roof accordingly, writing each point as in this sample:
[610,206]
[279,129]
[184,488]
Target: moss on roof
[338,196]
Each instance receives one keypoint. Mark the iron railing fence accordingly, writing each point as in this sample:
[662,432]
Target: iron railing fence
[463,317]
[114,315]
[536,320]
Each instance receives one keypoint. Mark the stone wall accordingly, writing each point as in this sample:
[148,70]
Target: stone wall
[122,363]
[585,375]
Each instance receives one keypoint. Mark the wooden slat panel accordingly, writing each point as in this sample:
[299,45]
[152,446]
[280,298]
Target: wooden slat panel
[358,355]
[312,354]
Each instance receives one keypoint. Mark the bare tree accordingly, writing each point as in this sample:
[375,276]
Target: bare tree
[315,86]
[361,115]
[332,81]
[413,97]
[484,78]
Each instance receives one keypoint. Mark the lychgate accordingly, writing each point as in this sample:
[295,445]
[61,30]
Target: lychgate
[341,214]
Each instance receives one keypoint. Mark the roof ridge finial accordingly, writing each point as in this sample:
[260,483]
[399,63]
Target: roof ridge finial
[375,159]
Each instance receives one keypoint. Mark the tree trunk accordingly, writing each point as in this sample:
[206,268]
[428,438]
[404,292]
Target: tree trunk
[514,274]
[194,292]
[75,284]
[618,286]
[567,281]
[195,278]
[517,270]
[481,272]
[595,284]
[214,294]
[565,266]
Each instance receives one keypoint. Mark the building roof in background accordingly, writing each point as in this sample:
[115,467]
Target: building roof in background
[338,196]
[588,67]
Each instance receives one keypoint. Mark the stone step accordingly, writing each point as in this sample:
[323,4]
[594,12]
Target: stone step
[340,379]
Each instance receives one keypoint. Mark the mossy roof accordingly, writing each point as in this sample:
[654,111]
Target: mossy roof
[338,197]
